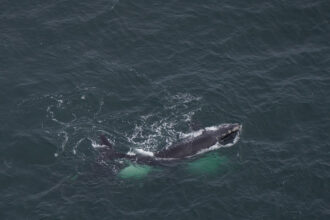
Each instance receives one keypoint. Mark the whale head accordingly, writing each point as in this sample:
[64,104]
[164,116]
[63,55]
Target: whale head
[228,134]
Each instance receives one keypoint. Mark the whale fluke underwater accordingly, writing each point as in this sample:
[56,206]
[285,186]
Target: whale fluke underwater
[205,140]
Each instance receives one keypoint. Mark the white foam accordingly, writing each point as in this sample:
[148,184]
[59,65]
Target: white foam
[95,145]
[74,150]
[212,148]
[66,138]
[131,153]
[52,117]
[144,153]
[153,129]
[149,136]
[185,97]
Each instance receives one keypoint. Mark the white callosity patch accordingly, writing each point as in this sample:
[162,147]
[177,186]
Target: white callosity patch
[195,134]
[218,145]
[200,132]
[191,134]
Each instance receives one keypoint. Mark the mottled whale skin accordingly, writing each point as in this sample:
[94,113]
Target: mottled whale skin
[225,134]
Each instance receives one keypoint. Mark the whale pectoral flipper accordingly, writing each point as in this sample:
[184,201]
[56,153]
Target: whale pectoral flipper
[105,141]
[110,153]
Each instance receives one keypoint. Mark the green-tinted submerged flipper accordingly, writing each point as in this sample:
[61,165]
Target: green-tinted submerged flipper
[210,164]
[134,171]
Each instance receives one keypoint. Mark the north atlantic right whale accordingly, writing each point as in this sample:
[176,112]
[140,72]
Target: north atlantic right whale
[205,140]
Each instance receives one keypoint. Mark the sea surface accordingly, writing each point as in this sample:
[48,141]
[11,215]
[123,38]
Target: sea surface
[144,73]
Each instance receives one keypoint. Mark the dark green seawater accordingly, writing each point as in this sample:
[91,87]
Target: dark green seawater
[141,72]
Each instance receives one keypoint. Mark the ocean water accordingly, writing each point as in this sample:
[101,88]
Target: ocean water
[141,72]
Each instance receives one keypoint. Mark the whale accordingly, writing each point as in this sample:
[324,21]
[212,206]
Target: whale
[207,139]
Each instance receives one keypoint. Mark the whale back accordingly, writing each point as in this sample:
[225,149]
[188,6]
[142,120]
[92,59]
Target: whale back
[189,147]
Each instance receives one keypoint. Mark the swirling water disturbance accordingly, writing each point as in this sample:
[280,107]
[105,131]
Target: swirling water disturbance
[143,73]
